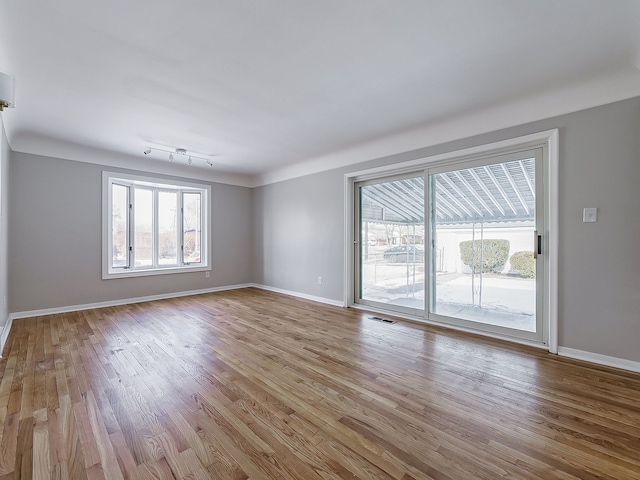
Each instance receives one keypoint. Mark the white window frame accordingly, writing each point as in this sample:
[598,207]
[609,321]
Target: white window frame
[156,184]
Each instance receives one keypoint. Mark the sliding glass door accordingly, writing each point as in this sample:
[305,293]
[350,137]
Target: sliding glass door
[459,244]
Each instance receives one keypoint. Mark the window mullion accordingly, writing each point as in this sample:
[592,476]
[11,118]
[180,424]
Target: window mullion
[154,228]
[181,226]
[131,228]
[128,214]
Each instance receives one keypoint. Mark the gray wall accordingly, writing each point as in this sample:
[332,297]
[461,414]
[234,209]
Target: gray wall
[300,235]
[56,238]
[299,229]
[4,225]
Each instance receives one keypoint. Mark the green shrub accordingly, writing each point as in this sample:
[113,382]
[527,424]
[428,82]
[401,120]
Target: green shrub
[524,264]
[494,255]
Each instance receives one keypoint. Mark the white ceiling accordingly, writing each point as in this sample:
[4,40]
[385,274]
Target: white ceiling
[274,88]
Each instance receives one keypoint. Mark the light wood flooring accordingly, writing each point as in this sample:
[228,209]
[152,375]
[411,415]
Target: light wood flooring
[248,384]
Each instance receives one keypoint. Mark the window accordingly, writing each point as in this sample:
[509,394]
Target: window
[152,227]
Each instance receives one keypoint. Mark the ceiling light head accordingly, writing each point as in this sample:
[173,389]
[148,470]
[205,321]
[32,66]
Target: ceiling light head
[7,92]
[189,161]
[171,157]
[147,151]
[209,163]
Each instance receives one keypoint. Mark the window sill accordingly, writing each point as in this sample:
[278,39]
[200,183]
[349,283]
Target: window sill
[155,271]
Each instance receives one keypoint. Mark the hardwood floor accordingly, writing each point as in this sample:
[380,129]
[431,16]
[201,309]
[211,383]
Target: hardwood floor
[248,384]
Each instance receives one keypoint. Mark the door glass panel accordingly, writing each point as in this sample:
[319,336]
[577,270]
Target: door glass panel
[391,245]
[483,221]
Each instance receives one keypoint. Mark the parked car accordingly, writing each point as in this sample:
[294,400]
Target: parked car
[402,253]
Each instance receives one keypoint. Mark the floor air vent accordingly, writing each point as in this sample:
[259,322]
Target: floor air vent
[383,320]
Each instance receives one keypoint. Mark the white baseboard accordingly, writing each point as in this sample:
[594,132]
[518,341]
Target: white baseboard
[328,301]
[600,359]
[124,301]
[5,334]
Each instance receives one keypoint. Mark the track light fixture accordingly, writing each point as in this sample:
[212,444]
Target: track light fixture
[179,151]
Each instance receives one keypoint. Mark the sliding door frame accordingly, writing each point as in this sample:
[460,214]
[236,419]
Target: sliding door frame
[548,140]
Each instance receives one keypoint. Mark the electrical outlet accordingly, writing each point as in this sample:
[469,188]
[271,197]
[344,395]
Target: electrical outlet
[207,274]
[319,280]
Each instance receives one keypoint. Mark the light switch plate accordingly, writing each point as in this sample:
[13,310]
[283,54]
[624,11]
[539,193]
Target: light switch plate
[590,215]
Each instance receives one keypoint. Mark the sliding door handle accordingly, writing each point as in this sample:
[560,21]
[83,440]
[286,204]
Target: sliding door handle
[537,244]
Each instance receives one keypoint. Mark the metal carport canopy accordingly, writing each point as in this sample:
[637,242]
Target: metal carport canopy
[502,192]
